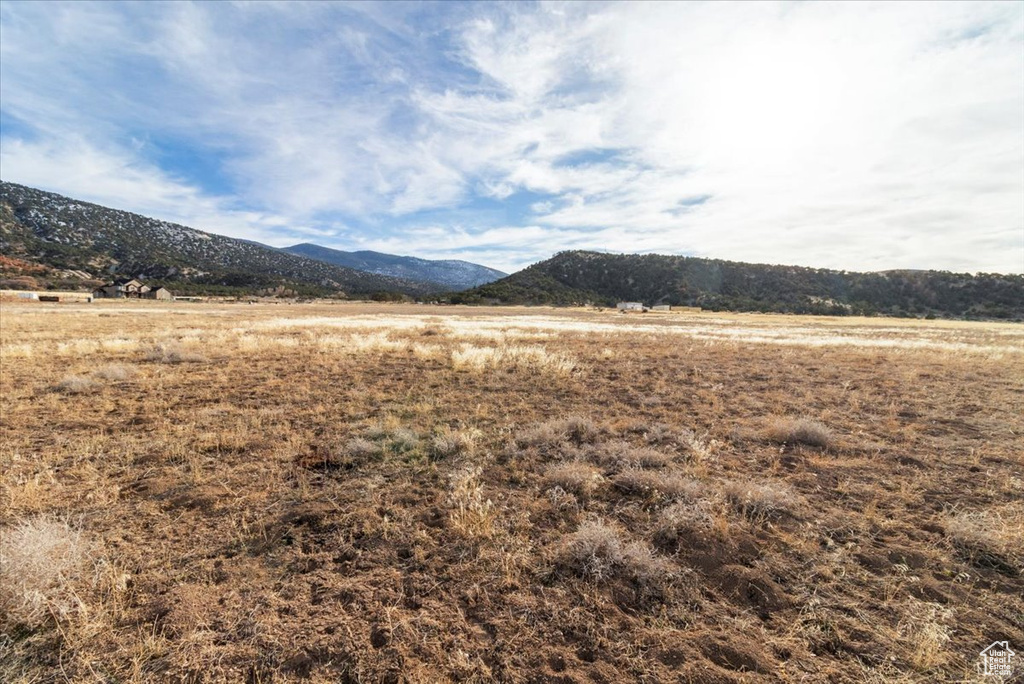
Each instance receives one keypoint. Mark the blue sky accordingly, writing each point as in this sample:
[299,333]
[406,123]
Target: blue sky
[855,136]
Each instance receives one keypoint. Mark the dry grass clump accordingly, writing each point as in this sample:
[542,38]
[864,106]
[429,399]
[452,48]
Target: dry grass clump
[373,342]
[115,372]
[647,483]
[17,351]
[76,384]
[358,447]
[575,429]
[684,519]
[701,449]
[798,431]
[760,502]
[575,477]
[404,439]
[427,351]
[40,561]
[578,429]
[471,514]
[623,454]
[172,353]
[451,442]
[596,552]
[512,357]
[399,439]
[926,634]
[662,434]
[989,538]
[378,432]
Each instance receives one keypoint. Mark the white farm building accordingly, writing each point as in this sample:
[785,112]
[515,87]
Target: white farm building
[630,306]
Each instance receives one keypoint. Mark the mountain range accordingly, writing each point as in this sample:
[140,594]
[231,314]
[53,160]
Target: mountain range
[49,239]
[450,274]
[579,277]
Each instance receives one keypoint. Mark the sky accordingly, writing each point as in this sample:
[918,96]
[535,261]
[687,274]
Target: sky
[855,136]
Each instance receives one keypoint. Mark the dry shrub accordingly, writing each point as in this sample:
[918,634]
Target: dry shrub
[573,476]
[579,430]
[451,442]
[172,353]
[646,483]
[798,431]
[682,520]
[40,561]
[575,429]
[76,384]
[540,435]
[701,449]
[358,447]
[662,434]
[562,500]
[471,513]
[378,432]
[596,552]
[989,538]
[115,372]
[760,502]
[404,439]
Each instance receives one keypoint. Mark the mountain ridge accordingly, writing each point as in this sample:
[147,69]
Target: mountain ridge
[450,274]
[68,235]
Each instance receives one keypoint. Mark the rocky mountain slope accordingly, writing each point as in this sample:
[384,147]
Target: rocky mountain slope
[56,232]
[589,277]
[450,274]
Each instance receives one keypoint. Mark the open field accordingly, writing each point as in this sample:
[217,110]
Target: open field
[375,493]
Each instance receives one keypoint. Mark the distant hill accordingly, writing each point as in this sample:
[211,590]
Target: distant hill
[447,274]
[78,243]
[571,278]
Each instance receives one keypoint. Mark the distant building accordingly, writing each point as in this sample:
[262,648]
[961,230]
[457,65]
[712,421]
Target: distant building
[121,289]
[661,307]
[630,306]
[130,288]
[159,292]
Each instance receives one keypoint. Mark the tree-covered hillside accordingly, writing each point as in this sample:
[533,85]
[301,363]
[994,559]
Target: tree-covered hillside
[587,277]
[56,232]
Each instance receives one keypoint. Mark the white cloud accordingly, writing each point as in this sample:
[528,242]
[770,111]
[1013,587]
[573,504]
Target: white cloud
[860,136]
[114,178]
[843,136]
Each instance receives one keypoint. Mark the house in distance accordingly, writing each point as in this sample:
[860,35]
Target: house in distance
[131,288]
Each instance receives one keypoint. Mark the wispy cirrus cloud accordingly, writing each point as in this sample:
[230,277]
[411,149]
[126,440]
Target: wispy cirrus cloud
[862,136]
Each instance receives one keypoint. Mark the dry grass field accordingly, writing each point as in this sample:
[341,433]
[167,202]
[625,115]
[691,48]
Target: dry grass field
[374,493]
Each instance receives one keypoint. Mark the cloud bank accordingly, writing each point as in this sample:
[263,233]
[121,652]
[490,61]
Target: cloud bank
[855,136]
